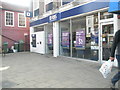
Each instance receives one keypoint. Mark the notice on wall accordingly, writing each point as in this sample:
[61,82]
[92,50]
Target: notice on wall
[65,39]
[80,39]
[50,39]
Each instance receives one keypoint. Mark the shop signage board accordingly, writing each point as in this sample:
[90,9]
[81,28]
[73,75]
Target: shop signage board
[28,14]
[80,39]
[98,4]
[65,39]
[54,17]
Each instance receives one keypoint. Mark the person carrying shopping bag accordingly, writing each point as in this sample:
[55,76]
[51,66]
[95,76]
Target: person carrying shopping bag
[115,50]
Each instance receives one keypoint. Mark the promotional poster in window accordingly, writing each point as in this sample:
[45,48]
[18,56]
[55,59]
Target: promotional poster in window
[50,39]
[80,39]
[65,39]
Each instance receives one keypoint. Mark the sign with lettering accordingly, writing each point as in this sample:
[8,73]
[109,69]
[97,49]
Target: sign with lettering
[50,39]
[28,14]
[65,39]
[54,17]
[94,37]
[80,39]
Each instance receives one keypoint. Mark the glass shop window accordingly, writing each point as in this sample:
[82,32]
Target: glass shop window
[105,15]
[78,37]
[65,38]
[40,28]
[49,6]
[36,12]
[92,37]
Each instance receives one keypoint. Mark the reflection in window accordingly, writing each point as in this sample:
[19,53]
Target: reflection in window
[49,6]
[36,12]
[105,15]
[107,39]
[40,28]
[78,37]
[65,38]
[66,1]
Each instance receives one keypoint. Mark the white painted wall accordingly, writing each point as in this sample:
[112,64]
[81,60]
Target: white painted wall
[118,23]
[55,39]
[35,4]
[40,42]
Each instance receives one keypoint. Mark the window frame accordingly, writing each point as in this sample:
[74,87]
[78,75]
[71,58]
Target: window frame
[13,18]
[18,20]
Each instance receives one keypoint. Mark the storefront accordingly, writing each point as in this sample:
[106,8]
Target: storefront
[82,32]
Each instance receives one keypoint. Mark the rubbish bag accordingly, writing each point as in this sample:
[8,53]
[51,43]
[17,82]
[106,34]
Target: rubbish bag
[106,68]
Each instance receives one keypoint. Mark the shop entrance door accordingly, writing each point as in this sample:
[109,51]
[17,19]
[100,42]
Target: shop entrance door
[49,39]
[106,39]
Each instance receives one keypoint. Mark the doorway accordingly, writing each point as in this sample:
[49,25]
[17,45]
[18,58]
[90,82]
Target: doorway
[106,39]
[49,38]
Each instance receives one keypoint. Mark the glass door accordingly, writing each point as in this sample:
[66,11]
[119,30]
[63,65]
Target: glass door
[49,39]
[65,38]
[107,31]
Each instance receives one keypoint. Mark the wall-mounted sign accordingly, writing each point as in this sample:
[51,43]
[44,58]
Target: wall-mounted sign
[80,39]
[65,39]
[54,17]
[28,14]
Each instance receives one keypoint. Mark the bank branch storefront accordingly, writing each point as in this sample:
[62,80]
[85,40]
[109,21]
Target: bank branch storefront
[84,32]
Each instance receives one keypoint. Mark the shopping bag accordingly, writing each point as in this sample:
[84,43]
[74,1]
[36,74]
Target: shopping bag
[106,68]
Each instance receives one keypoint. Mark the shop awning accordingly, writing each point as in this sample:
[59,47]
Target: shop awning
[114,6]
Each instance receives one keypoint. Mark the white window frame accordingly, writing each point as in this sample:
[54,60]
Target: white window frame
[89,25]
[13,18]
[18,20]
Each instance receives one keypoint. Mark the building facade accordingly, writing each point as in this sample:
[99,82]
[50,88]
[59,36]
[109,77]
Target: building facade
[15,26]
[77,28]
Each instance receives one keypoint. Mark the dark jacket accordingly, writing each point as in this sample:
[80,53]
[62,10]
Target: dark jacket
[116,44]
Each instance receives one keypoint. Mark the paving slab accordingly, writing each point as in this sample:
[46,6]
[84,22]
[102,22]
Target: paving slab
[32,70]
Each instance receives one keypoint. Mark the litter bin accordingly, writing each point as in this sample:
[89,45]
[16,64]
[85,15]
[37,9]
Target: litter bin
[16,46]
[5,47]
[21,45]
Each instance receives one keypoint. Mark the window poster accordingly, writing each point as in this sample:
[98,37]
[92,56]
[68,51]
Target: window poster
[94,41]
[65,39]
[80,39]
[50,39]
[94,38]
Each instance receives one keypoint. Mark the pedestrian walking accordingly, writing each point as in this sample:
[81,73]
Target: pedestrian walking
[115,50]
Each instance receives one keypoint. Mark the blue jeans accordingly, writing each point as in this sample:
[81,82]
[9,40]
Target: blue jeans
[116,78]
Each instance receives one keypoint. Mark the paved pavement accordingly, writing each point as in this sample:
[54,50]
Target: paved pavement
[32,70]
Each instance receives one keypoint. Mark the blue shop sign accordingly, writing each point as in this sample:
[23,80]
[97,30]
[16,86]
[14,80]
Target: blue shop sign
[54,17]
[96,5]
[114,6]
[28,14]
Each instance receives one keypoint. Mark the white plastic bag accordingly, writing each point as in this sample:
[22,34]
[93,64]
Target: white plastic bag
[106,68]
